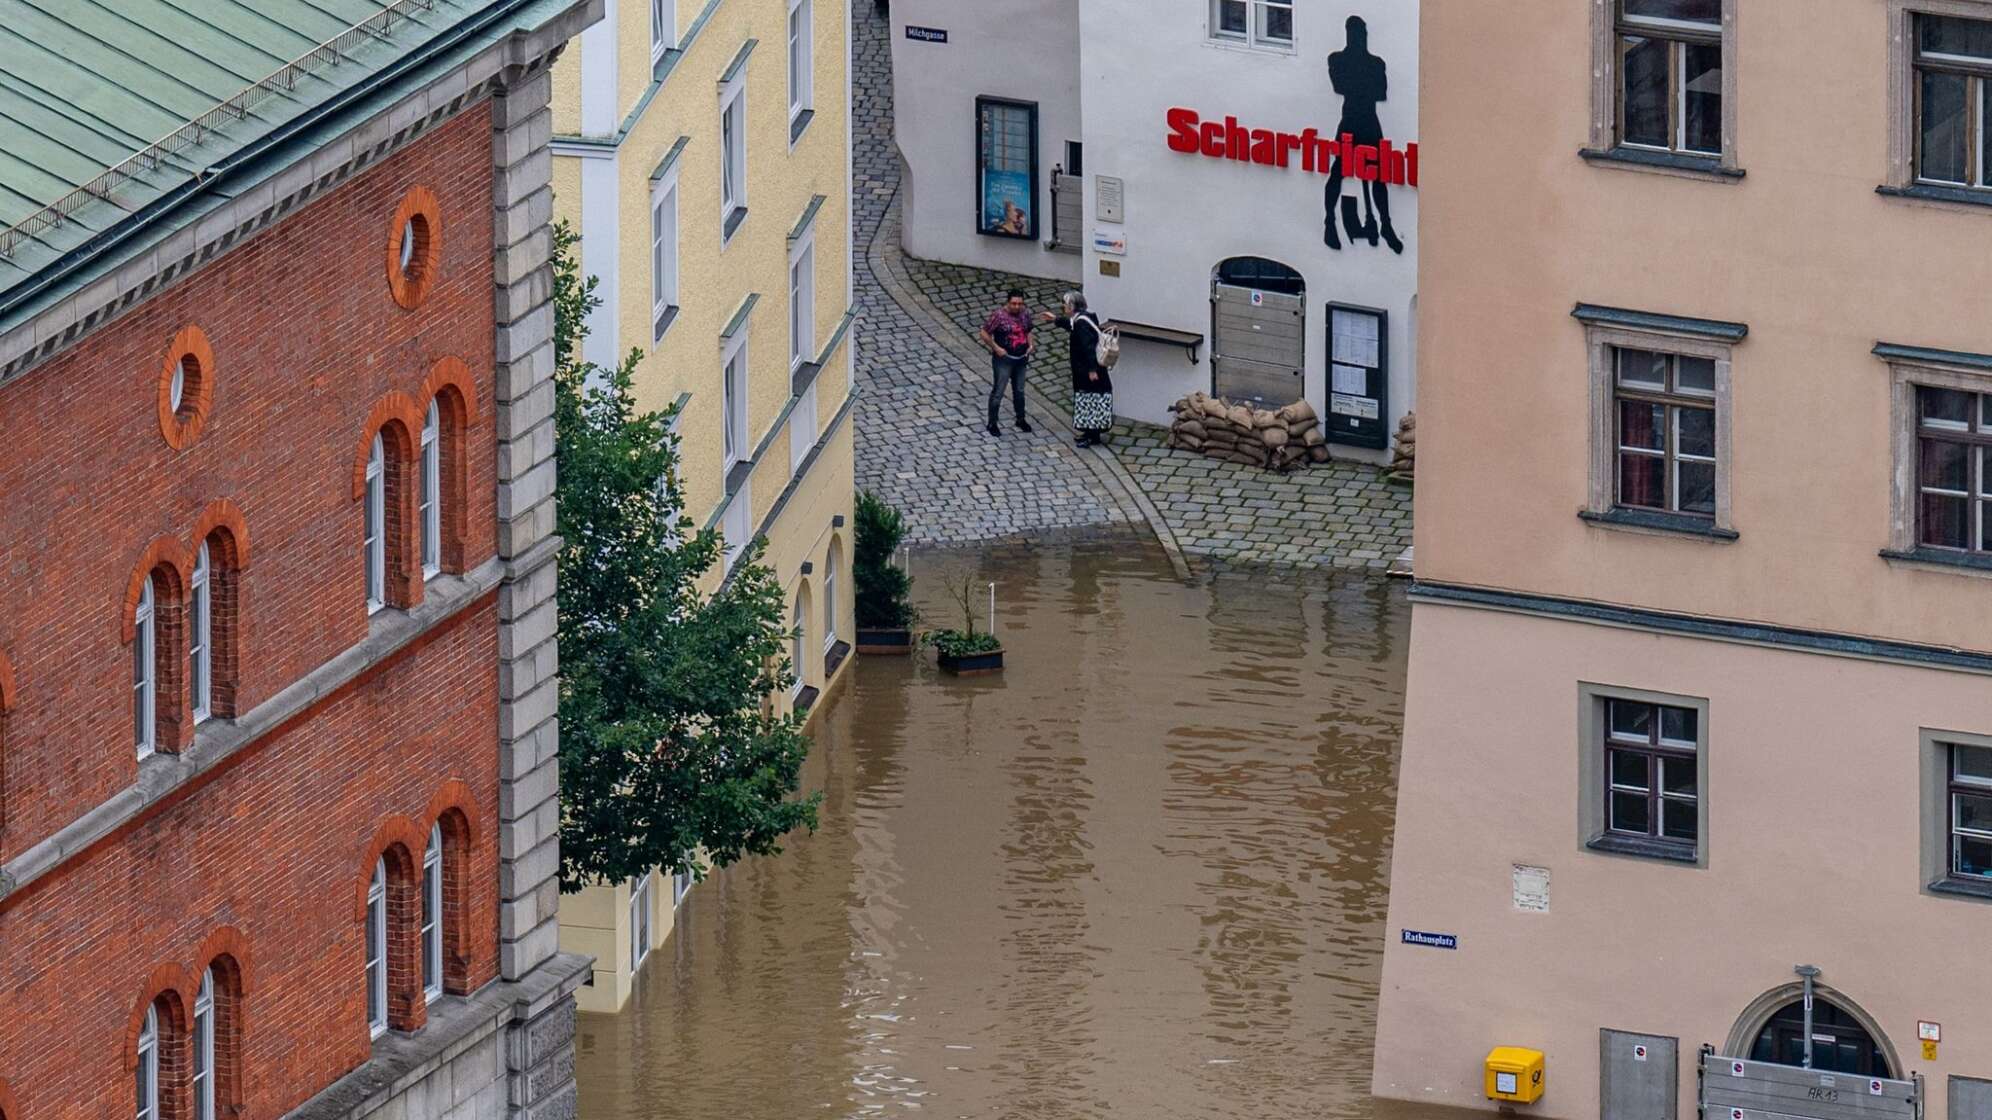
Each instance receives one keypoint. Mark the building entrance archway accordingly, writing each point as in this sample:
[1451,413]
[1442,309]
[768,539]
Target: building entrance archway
[1258,340]
[1845,1038]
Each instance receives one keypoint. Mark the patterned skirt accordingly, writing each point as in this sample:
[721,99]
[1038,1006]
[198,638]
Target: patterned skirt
[1092,412]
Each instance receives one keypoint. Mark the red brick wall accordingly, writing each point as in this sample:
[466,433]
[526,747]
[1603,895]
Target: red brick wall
[307,340]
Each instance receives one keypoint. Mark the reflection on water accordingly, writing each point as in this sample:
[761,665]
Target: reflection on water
[1141,873]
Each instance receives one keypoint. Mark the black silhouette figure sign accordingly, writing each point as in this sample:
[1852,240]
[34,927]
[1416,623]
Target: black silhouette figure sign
[1359,77]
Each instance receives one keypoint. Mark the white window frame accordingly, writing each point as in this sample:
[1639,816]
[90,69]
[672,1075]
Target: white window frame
[802,428]
[1255,11]
[202,1078]
[735,380]
[801,62]
[830,598]
[663,252]
[799,640]
[1606,96]
[432,493]
[432,914]
[737,524]
[374,547]
[639,921]
[376,951]
[145,672]
[681,885]
[200,631]
[802,301]
[663,32]
[147,1076]
[732,154]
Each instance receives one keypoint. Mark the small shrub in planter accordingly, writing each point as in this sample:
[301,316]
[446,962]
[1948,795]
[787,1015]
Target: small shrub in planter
[885,617]
[967,652]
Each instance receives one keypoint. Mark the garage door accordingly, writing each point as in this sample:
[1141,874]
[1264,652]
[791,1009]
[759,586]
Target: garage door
[1257,345]
[1739,1089]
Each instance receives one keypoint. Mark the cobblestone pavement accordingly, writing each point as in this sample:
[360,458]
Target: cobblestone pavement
[920,443]
[919,425]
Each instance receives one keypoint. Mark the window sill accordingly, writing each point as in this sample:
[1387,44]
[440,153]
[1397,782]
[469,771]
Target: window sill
[1931,192]
[1665,163]
[1962,888]
[1962,563]
[732,224]
[799,124]
[1653,522]
[833,658]
[806,699]
[662,322]
[1645,849]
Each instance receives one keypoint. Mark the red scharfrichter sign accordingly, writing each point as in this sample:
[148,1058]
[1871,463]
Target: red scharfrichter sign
[1382,162]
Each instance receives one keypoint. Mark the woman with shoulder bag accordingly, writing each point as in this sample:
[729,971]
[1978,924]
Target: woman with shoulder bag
[1092,385]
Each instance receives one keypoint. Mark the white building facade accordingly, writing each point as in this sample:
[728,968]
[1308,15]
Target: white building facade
[1234,182]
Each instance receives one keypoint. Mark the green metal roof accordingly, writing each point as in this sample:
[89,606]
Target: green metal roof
[110,106]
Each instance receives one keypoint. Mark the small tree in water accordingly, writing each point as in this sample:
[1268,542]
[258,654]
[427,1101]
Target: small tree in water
[882,588]
[667,744]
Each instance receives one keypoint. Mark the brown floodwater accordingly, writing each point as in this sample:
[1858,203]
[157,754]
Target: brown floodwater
[1141,873]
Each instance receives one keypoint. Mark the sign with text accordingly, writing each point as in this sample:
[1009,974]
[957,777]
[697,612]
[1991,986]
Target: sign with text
[1432,940]
[927,34]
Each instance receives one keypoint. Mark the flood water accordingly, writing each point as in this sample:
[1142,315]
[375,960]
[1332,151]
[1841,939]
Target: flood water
[1141,873]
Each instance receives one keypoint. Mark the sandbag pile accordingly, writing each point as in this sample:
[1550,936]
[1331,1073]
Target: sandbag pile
[1275,439]
[1404,459]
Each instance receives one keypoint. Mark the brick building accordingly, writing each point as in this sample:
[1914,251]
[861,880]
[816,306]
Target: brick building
[278,825]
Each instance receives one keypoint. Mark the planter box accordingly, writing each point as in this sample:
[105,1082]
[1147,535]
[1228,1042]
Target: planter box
[889,642]
[974,664]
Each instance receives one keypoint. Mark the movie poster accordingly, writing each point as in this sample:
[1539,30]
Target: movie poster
[1006,157]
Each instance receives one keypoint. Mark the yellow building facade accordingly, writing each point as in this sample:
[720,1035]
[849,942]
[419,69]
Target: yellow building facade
[702,150]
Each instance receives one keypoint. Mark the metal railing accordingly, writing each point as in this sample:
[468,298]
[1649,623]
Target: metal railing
[284,79]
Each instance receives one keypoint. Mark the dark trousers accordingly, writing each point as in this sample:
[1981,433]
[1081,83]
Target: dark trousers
[1006,368]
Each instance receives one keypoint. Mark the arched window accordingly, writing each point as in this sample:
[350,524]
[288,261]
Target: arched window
[147,1075]
[202,1081]
[830,598]
[432,914]
[432,494]
[376,538]
[200,650]
[144,681]
[800,620]
[376,974]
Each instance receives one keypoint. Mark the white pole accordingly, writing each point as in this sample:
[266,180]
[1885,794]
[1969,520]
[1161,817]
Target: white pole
[992,608]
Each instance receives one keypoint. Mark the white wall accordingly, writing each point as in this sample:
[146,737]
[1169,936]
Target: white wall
[1186,212]
[1024,50]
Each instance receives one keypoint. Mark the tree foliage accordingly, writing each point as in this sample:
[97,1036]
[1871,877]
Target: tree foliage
[668,745]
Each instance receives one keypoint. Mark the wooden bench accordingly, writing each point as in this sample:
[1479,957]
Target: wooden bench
[1190,341]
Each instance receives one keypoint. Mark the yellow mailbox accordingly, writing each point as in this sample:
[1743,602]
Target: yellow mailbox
[1514,1073]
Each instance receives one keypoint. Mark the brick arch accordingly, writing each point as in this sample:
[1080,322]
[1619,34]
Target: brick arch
[226,516]
[452,373]
[179,989]
[399,840]
[395,406]
[7,694]
[454,794]
[8,1109]
[227,941]
[168,552]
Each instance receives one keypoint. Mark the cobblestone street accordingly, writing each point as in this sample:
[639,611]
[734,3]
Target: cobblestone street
[925,382]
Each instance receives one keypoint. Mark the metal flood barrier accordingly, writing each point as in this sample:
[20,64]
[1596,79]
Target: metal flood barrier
[1740,1089]
[1257,345]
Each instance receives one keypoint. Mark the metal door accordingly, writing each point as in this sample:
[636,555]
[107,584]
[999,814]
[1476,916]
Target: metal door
[1739,1089]
[1258,345]
[1067,197]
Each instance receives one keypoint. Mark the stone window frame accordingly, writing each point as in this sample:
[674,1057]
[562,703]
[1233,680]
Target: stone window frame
[1604,147]
[1911,368]
[1608,329]
[1933,755]
[1592,833]
[1901,181]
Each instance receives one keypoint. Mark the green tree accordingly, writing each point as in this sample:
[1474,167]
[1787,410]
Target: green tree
[667,742]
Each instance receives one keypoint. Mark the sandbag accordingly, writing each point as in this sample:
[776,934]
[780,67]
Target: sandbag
[1274,437]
